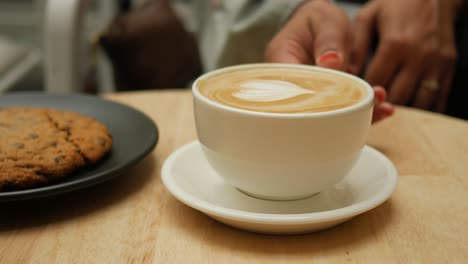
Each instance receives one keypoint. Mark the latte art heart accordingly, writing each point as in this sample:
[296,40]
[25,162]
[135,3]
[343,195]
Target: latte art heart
[269,90]
[282,90]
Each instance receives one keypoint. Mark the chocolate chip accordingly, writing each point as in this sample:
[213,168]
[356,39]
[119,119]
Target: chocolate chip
[33,135]
[53,144]
[58,159]
[18,145]
[101,142]
[25,166]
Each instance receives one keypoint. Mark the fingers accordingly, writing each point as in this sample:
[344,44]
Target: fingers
[436,84]
[404,84]
[292,44]
[317,33]
[331,29]
[448,57]
[363,28]
[281,51]
[385,63]
[380,94]
[427,91]
[382,109]
[446,83]
[331,59]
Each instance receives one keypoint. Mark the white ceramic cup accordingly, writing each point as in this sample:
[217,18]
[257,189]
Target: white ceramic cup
[282,156]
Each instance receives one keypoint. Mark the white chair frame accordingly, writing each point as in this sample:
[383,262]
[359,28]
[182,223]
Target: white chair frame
[64,21]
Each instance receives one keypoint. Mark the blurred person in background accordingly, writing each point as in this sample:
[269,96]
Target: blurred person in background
[413,56]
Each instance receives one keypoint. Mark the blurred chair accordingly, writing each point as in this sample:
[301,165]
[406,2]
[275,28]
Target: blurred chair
[67,46]
[19,53]
[16,61]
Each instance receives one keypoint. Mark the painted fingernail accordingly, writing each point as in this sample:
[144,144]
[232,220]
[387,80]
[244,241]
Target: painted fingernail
[328,56]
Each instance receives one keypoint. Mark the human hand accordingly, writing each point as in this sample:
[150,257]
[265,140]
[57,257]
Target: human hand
[320,33]
[317,33]
[382,109]
[416,53]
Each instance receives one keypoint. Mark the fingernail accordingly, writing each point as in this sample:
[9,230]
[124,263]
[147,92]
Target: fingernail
[330,59]
[328,56]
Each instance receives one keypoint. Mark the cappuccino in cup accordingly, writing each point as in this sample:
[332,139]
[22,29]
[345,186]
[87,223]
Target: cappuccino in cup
[282,90]
[281,131]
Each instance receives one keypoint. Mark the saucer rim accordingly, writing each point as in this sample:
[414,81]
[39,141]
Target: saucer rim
[265,218]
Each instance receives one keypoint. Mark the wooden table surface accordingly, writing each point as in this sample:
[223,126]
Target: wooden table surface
[133,219]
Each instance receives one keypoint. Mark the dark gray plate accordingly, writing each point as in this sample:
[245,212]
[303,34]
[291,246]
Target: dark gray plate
[134,136]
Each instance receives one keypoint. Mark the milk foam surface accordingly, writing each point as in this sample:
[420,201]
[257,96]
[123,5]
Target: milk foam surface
[269,90]
[282,90]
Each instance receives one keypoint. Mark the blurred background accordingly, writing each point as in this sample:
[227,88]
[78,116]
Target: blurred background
[54,43]
[33,32]
[20,44]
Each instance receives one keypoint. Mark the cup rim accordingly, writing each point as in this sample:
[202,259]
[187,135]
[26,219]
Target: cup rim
[367,102]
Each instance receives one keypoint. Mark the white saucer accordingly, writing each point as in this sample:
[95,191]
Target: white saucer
[188,176]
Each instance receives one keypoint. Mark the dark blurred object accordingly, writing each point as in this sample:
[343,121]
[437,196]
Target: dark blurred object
[458,100]
[125,5]
[149,49]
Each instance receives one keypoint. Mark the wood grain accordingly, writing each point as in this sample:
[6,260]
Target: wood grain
[133,219]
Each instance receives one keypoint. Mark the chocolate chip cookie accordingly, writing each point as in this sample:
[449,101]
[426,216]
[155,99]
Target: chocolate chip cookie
[39,146]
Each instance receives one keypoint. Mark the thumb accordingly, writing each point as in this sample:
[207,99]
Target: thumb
[317,33]
[293,43]
[331,28]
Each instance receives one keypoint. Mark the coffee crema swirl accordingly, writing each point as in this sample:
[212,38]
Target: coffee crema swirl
[282,90]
